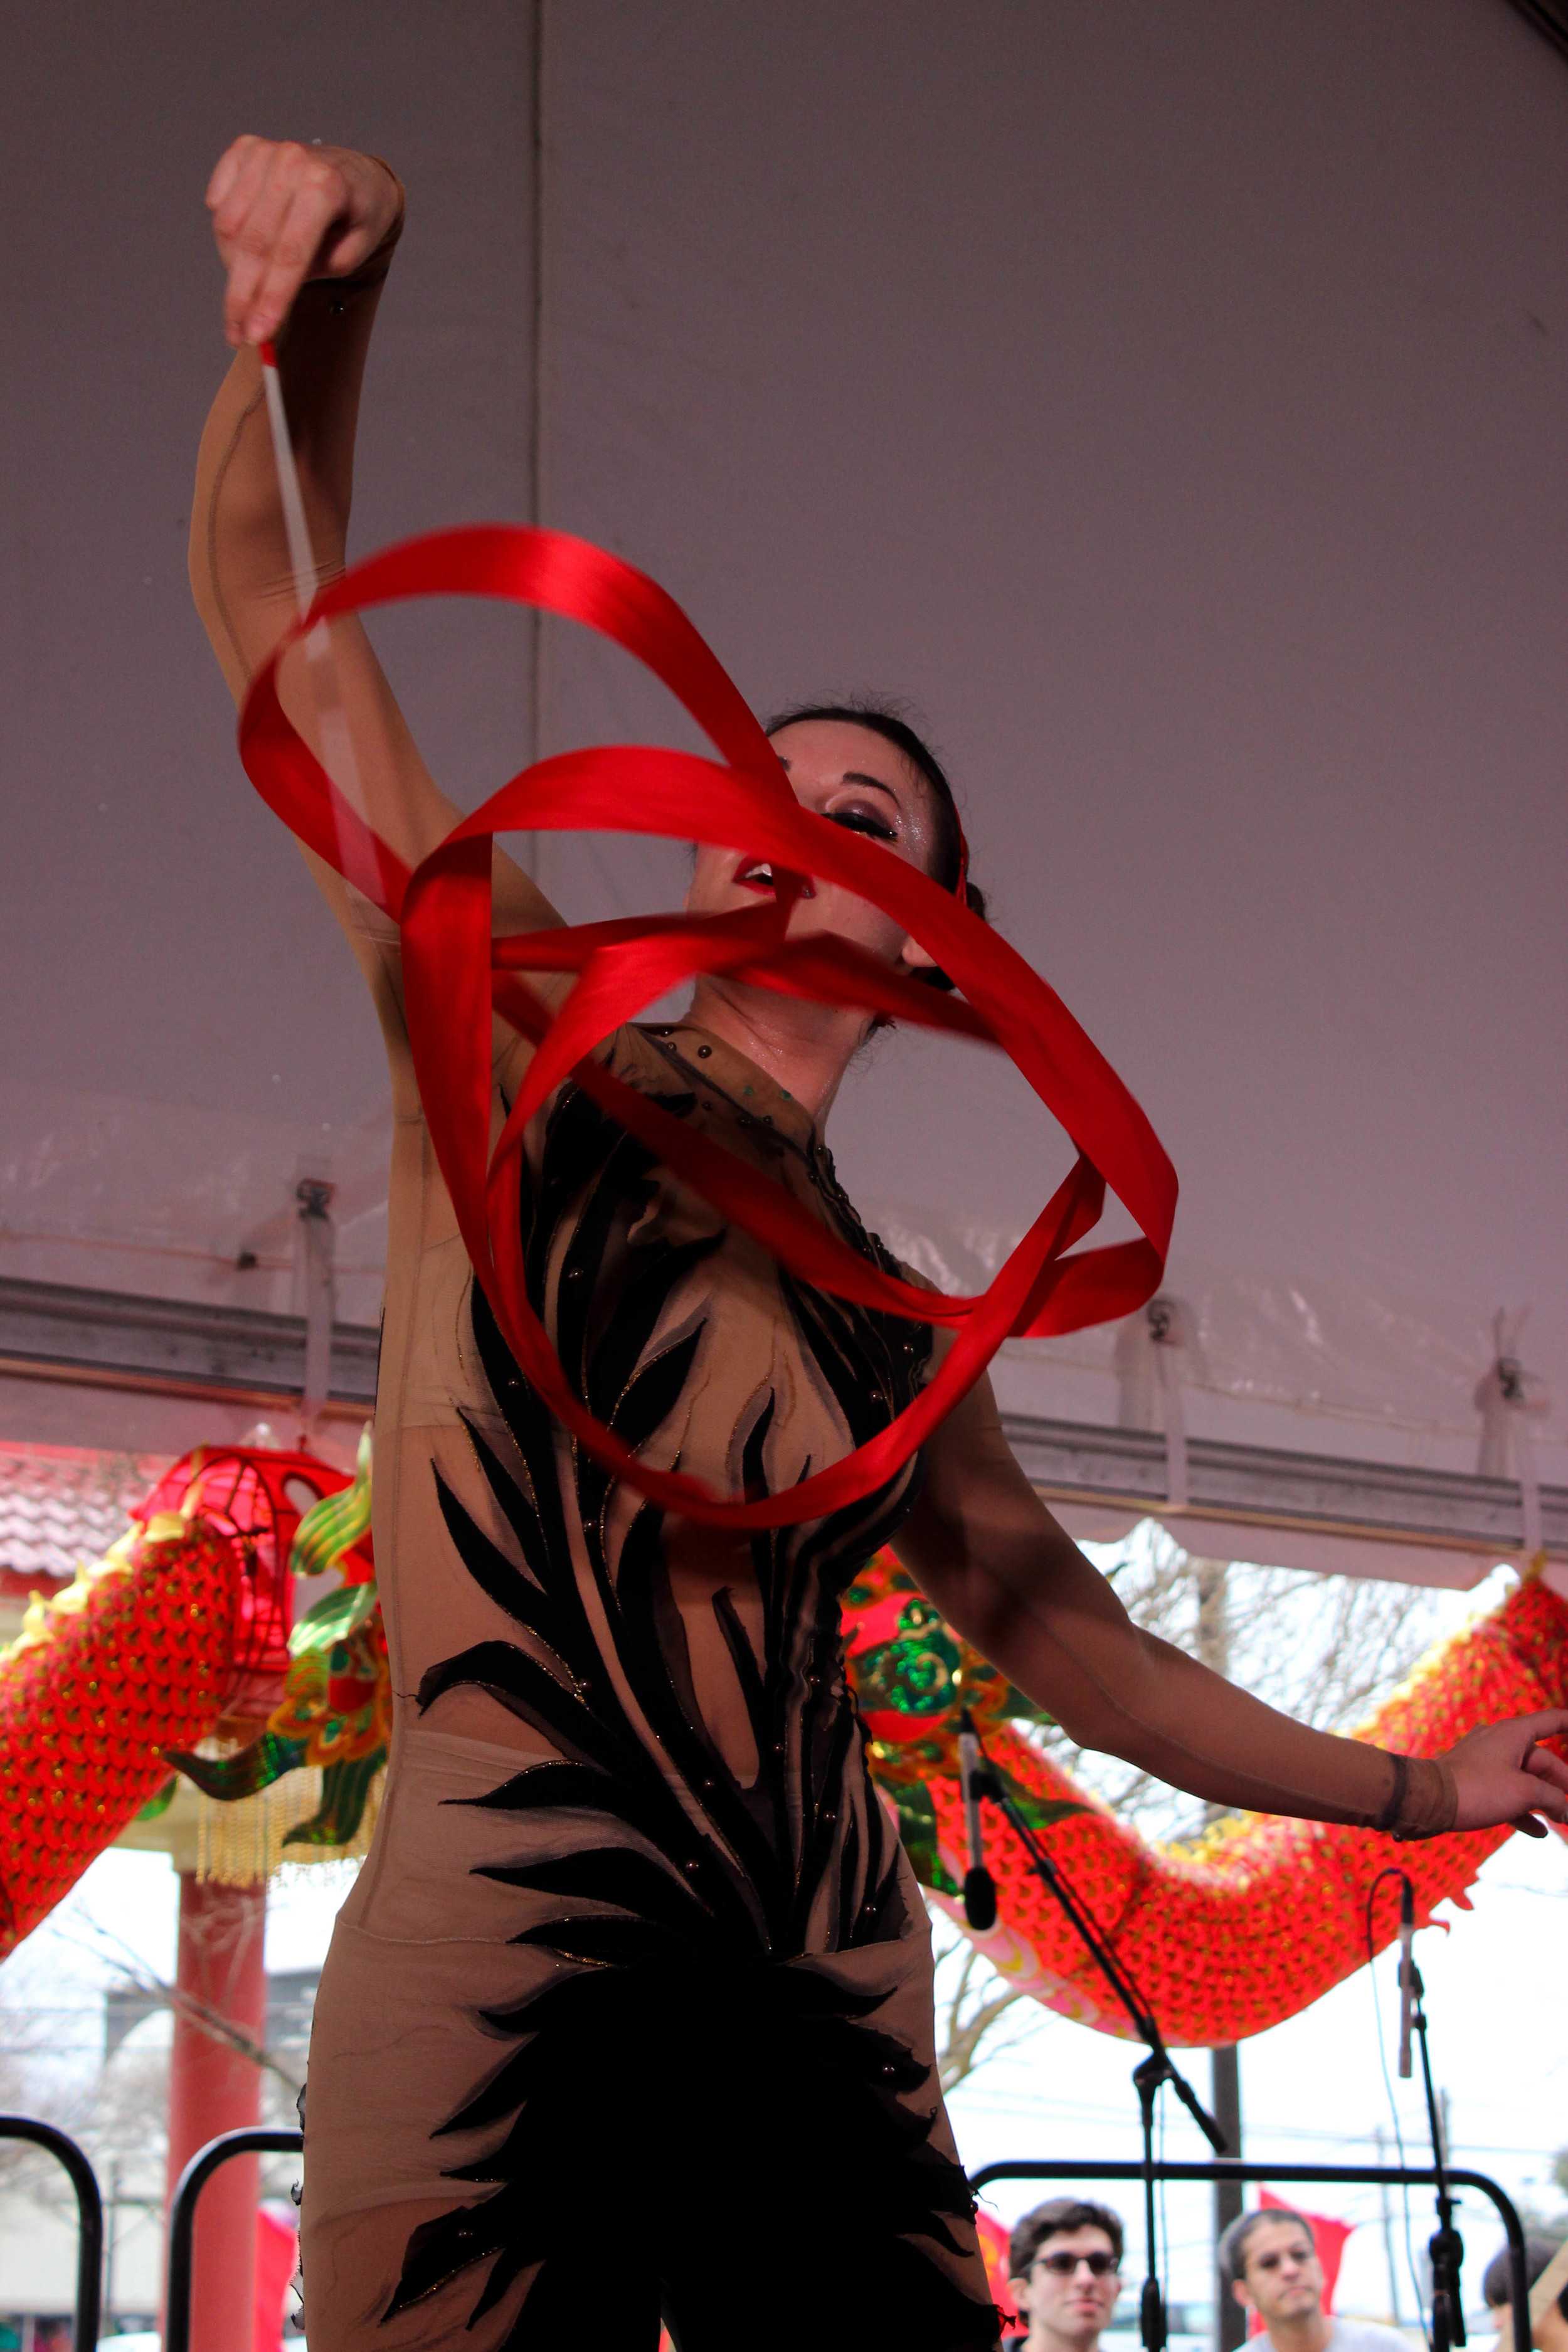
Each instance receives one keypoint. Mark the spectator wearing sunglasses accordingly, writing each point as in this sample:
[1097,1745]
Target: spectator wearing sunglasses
[1065,2259]
[1269,2260]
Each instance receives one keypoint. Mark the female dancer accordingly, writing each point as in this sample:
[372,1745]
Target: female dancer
[629,2011]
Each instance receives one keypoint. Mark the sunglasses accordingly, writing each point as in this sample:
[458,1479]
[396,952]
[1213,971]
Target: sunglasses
[1064,2265]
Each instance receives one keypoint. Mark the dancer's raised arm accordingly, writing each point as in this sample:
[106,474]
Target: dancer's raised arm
[306,236]
[986,1551]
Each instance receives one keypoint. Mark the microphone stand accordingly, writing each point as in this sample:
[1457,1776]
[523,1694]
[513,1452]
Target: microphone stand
[1446,2247]
[1151,2074]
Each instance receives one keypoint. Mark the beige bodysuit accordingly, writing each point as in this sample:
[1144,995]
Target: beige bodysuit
[635,1963]
[635,1936]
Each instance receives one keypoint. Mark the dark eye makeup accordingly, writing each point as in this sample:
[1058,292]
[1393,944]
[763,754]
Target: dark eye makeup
[858,821]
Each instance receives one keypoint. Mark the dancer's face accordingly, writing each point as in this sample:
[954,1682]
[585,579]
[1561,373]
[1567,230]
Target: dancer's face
[1068,2295]
[854,777]
[1282,2278]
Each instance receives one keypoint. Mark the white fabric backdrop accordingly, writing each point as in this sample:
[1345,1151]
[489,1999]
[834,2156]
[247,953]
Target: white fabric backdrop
[1168,402]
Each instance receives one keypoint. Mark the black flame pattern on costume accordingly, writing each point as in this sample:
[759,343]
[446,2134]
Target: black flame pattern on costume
[688,2047]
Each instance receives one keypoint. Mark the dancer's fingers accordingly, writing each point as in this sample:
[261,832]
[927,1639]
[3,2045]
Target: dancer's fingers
[1501,1774]
[246,228]
[238,177]
[1544,1766]
[1545,1780]
[283,213]
[317,197]
[226,170]
[351,245]
[241,175]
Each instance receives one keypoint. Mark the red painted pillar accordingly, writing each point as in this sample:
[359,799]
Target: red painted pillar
[213,2088]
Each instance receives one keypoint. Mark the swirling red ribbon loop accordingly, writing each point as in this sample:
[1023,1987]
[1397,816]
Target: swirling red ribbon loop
[455,977]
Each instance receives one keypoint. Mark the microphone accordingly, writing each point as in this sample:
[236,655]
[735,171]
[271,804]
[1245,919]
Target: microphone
[979,1887]
[1407,1973]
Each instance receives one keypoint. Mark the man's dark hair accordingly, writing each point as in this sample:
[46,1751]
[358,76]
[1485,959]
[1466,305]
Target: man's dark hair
[1538,2253]
[881,718]
[1055,2219]
[1231,2252]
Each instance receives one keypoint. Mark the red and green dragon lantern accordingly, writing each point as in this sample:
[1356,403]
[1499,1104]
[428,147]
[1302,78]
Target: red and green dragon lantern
[183,1633]
[331,1698]
[186,1636]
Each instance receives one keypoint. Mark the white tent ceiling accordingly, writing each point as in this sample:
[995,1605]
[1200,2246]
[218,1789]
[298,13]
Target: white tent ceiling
[1169,402]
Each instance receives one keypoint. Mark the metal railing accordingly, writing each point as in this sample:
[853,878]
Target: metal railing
[1352,2175]
[256,2141]
[260,2141]
[177,1347]
[88,2317]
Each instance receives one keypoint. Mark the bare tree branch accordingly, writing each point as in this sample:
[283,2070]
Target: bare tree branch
[1323,1649]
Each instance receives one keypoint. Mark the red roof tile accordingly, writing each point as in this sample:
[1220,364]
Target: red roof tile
[60,1505]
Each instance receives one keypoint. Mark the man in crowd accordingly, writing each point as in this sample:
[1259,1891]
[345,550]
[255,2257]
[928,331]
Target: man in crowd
[1549,2327]
[1269,2259]
[1065,2260]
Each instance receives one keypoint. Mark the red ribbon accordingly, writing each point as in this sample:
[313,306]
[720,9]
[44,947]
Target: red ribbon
[456,976]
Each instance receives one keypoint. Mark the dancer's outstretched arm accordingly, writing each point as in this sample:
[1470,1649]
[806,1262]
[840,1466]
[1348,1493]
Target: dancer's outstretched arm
[306,236]
[986,1551]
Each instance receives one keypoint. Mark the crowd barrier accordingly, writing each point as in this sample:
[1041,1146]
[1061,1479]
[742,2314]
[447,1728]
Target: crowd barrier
[1409,2176]
[256,2141]
[88,2314]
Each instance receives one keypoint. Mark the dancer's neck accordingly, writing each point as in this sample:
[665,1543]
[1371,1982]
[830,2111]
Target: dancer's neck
[806,1049]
